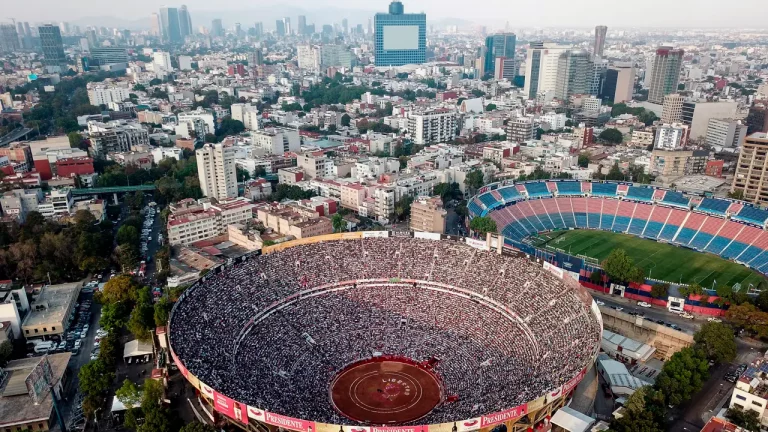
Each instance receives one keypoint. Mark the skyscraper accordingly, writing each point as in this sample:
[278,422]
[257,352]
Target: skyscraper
[287,25]
[154,25]
[574,74]
[499,46]
[216,171]
[302,30]
[542,67]
[345,25]
[185,22]
[53,48]
[259,26]
[217,29]
[665,74]
[400,38]
[9,39]
[280,28]
[600,32]
[169,18]
[619,83]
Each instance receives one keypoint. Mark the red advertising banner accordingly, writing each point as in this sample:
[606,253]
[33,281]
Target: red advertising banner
[255,413]
[182,369]
[401,429]
[502,416]
[289,422]
[230,408]
[468,425]
[570,385]
[205,390]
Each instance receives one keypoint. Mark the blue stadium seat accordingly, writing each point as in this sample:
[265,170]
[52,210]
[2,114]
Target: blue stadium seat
[604,189]
[569,220]
[753,215]
[700,241]
[594,219]
[637,226]
[509,193]
[668,232]
[759,261]
[733,250]
[621,224]
[685,236]
[537,189]
[537,224]
[569,188]
[557,220]
[653,229]
[475,208]
[717,245]
[606,221]
[513,232]
[714,205]
[581,220]
[548,224]
[749,254]
[640,193]
[675,199]
[488,199]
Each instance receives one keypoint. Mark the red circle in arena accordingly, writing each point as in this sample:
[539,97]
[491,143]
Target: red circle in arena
[389,390]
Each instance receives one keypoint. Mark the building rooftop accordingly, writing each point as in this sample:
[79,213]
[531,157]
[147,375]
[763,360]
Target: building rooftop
[54,303]
[19,408]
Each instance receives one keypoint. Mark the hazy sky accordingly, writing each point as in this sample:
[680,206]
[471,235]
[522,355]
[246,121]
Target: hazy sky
[520,13]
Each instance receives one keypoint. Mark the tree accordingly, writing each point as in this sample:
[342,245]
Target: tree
[620,267]
[583,160]
[745,419]
[737,194]
[345,119]
[595,277]
[644,412]
[683,375]
[611,135]
[447,191]
[197,427]
[162,311]
[660,290]
[242,175]
[338,223]
[128,394]
[403,207]
[95,378]
[6,349]
[483,225]
[120,288]
[750,318]
[474,180]
[490,107]
[75,139]
[114,316]
[127,234]
[717,341]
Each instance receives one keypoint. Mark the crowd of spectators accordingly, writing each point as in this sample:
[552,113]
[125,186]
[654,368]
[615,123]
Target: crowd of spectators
[273,331]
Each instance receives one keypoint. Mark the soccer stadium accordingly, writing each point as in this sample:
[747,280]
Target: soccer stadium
[385,331]
[659,228]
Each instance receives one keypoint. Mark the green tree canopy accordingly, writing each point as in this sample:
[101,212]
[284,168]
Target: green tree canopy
[750,318]
[660,290]
[683,375]
[583,160]
[121,288]
[197,427]
[717,341]
[127,234]
[474,180]
[620,267]
[749,419]
[483,225]
[128,394]
[95,378]
[612,136]
[338,223]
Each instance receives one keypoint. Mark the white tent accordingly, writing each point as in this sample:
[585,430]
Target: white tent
[572,420]
[117,406]
[136,348]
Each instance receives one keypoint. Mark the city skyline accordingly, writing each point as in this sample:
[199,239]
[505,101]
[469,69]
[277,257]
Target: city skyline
[490,12]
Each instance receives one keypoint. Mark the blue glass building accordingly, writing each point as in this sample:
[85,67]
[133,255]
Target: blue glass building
[499,46]
[400,38]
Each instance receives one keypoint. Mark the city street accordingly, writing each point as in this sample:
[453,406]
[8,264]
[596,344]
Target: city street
[654,313]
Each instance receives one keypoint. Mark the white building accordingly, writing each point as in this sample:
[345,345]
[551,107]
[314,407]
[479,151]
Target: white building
[185,63]
[432,126]
[103,95]
[57,202]
[216,171]
[592,104]
[308,57]
[671,137]
[116,136]
[192,221]
[751,391]
[275,141]
[200,114]
[554,120]
[160,153]
[374,167]
[161,61]
[542,57]
[725,132]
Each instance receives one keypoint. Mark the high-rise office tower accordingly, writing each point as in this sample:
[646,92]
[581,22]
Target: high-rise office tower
[541,68]
[600,32]
[280,28]
[665,75]
[574,74]
[20,34]
[302,30]
[238,30]
[169,18]
[52,47]
[400,38]
[259,26]
[185,22]
[287,25]
[154,25]
[216,171]
[345,25]
[9,38]
[619,84]
[217,29]
[751,176]
[499,46]
[64,28]
[599,70]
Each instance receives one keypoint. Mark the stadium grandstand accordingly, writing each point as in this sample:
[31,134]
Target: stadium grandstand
[455,335]
[730,229]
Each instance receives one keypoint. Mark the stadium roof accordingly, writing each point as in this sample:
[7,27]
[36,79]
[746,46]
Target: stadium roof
[627,347]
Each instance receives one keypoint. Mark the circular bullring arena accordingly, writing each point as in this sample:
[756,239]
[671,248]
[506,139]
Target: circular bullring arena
[378,331]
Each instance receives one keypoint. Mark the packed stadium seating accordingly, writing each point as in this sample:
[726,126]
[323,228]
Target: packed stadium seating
[273,331]
[734,230]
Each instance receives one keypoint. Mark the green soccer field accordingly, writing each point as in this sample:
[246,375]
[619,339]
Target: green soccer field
[659,260]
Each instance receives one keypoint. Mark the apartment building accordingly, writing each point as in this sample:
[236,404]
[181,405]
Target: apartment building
[294,220]
[19,202]
[521,129]
[315,165]
[275,141]
[191,221]
[428,215]
[671,163]
[116,136]
[750,176]
[216,171]
[725,132]
[751,391]
[103,95]
[51,311]
[432,126]
[642,139]
[671,137]
[672,108]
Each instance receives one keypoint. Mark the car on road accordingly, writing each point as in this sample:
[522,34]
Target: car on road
[686,315]
[618,308]
[643,304]
[78,343]
[599,303]
[714,319]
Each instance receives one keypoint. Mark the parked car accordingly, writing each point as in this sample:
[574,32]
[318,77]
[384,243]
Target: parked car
[714,319]
[599,303]
[686,315]
[643,304]
[618,308]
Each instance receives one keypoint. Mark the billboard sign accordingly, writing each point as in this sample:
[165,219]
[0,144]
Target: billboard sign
[256,414]
[289,422]
[477,244]
[569,263]
[38,381]
[230,408]
[555,270]
[503,416]
[375,234]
